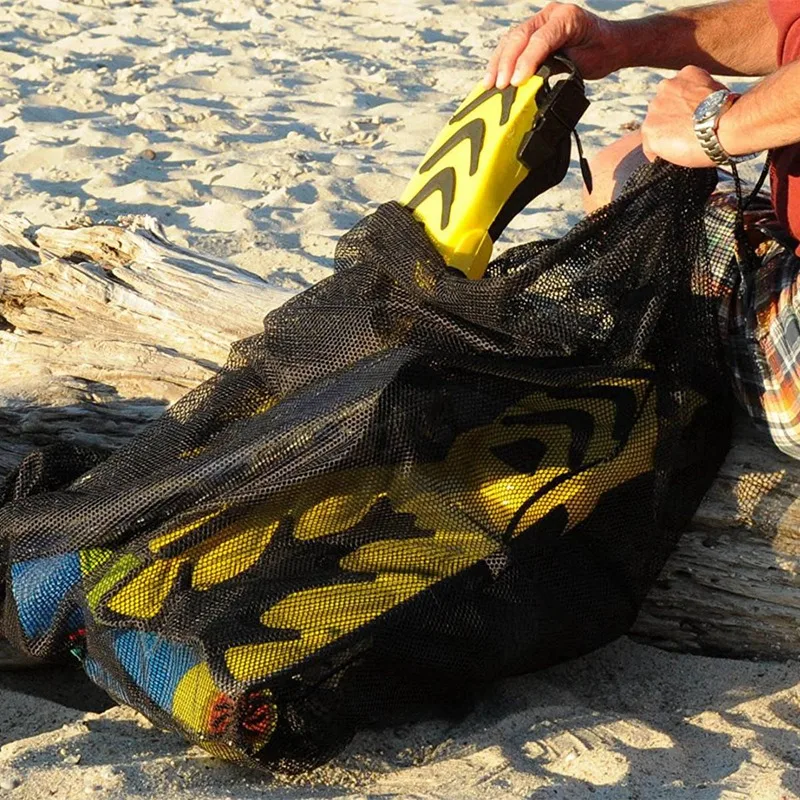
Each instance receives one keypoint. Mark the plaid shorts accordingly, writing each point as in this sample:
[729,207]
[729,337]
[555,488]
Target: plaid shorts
[759,313]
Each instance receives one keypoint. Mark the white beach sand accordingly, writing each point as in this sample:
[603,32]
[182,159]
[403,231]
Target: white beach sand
[261,130]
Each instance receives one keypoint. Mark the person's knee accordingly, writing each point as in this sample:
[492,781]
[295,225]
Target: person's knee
[611,168]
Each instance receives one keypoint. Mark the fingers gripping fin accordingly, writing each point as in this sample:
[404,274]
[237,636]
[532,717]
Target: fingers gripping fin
[501,149]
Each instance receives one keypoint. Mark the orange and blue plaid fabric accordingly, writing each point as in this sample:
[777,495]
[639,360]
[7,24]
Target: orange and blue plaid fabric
[759,314]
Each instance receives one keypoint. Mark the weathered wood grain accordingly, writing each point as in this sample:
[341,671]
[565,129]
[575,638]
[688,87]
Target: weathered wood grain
[101,327]
[733,585]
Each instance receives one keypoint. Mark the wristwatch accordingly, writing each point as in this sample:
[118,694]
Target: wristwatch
[706,122]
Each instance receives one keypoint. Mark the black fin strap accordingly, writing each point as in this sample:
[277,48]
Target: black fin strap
[586,171]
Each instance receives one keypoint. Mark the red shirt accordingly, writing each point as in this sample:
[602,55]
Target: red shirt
[785,174]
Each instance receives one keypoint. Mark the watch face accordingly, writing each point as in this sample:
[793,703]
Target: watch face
[711,105]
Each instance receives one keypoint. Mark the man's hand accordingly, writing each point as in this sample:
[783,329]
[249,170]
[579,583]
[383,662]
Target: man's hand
[591,42]
[668,129]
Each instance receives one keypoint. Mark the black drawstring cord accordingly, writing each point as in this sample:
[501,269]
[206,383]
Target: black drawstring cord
[747,257]
[759,183]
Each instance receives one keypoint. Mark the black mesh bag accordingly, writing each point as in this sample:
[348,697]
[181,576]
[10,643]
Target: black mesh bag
[408,485]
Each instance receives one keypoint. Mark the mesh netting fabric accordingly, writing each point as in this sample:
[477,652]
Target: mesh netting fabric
[409,484]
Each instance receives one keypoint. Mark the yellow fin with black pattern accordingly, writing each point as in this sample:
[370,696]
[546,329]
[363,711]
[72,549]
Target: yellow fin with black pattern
[501,149]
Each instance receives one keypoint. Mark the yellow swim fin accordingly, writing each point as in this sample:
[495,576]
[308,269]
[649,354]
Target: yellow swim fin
[499,151]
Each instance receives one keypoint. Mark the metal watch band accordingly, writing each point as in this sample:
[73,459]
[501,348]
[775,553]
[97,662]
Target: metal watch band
[707,136]
[706,132]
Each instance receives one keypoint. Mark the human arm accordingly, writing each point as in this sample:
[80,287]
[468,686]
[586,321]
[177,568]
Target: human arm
[736,37]
[765,117]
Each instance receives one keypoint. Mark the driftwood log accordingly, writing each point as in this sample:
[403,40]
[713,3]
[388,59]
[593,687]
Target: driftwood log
[102,327]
